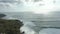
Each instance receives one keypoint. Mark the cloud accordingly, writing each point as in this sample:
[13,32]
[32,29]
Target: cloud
[10,1]
[37,0]
[8,4]
[30,5]
[6,0]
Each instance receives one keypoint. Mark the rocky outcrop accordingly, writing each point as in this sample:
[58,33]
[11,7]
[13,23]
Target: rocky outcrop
[2,15]
[10,26]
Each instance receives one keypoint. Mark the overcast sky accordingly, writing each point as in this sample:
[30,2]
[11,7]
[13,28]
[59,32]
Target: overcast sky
[29,5]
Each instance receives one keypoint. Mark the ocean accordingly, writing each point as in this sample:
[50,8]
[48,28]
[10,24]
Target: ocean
[36,23]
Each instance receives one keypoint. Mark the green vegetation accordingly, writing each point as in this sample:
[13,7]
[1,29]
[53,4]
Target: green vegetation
[10,26]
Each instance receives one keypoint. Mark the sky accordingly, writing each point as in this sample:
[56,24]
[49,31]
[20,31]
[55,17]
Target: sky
[36,6]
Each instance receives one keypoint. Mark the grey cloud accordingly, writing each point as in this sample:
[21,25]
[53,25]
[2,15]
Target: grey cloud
[37,0]
[4,5]
[9,1]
